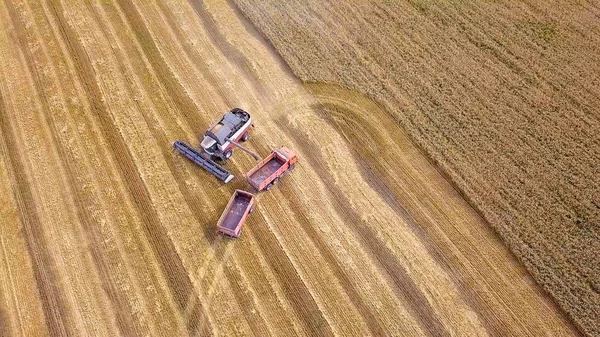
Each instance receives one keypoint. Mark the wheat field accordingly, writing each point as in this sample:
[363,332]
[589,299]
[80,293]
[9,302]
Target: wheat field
[106,231]
[503,96]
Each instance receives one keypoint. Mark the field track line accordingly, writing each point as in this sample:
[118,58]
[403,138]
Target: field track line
[139,242]
[13,286]
[235,57]
[52,299]
[161,138]
[358,301]
[477,304]
[200,312]
[124,320]
[191,54]
[404,287]
[303,303]
[149,42]
[163,250]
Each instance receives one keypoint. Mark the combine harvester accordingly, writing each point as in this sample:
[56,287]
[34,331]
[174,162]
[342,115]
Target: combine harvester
[222,136]
[218,143]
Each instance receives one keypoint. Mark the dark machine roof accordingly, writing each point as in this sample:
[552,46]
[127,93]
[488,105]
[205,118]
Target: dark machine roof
[225,128]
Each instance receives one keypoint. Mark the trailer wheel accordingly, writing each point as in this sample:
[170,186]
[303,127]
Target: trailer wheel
[227,155]
[292,167]
[270,186]
[246,136]
[275,181]
[251,210]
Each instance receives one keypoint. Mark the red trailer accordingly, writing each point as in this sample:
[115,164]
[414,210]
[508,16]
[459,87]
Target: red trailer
[267,172]
[232,220]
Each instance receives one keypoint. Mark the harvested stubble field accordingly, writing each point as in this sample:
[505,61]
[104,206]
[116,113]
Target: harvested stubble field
[504,96]
[105,231]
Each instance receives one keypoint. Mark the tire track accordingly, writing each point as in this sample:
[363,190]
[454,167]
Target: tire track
[197,314]
[51,295]
[493,325]
[433,245]
[164,251]
[5,326]
[124,319]
[297,293]
[371,320]
[5,329]
[192,54]
[308,310]
[405,288]
[198,308]
[234,56]
[174,88]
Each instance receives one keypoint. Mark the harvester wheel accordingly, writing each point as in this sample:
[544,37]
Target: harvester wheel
[246,136]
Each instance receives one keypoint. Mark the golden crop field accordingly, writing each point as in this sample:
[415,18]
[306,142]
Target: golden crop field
[106,231]
[503,96]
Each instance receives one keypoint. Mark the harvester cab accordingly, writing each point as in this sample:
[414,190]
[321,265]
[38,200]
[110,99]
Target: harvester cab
[222,136]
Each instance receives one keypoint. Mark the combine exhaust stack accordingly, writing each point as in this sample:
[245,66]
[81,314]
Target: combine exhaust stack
[207,164]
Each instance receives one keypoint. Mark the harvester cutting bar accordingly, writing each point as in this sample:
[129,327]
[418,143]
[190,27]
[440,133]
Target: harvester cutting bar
[207,164]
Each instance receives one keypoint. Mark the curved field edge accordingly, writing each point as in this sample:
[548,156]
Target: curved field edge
[108,231]
[535,189]
[457,235]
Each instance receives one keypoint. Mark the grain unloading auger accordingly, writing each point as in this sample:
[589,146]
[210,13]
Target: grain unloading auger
[243,148]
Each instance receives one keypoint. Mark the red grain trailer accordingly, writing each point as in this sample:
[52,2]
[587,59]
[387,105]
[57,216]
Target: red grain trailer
[232,220]
[267,172]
